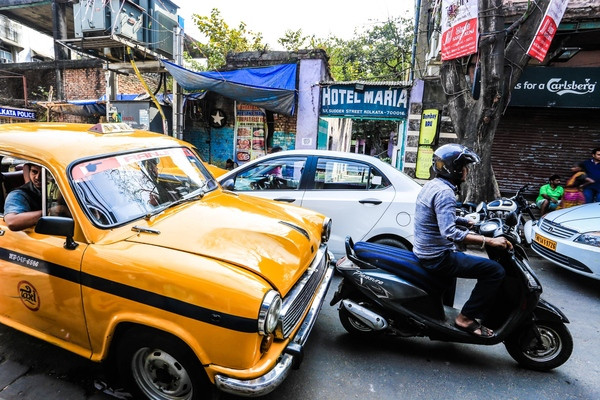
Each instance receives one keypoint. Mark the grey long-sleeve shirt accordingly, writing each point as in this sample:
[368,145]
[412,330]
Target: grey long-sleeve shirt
[436,221]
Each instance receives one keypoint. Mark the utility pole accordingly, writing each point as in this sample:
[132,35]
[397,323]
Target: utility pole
[178,90]
[59,32]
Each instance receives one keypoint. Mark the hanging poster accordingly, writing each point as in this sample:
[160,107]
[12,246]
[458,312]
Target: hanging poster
[460,31]
[424,160]
[250,128]
[429,126]
[547,29]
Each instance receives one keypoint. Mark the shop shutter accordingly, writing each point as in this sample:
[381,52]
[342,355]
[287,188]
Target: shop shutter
[533,143]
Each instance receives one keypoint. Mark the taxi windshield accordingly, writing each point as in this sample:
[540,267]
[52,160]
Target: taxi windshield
[121,188]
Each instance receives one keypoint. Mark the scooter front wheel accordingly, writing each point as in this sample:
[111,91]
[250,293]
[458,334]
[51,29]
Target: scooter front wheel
[354,326]
[543,346]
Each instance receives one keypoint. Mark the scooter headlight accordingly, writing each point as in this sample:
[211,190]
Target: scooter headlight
[269,313]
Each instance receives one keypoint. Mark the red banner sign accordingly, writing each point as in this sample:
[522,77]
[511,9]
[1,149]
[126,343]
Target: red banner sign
[460,28]
[545,33]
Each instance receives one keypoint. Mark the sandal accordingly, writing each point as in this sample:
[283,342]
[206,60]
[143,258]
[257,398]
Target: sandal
[472,328]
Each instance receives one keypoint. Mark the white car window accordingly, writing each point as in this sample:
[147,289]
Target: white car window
[335,174]
[282,173]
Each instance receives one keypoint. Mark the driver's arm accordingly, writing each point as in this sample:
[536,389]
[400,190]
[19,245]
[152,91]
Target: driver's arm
[24,220]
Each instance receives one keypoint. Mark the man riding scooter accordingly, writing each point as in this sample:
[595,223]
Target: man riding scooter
[437,232]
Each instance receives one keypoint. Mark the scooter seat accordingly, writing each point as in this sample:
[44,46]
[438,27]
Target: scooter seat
[400,262]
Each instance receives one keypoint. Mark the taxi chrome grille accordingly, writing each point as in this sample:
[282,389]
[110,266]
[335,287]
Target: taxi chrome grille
[298,300]
[555,229]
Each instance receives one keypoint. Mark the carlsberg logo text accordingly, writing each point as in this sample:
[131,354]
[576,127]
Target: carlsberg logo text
[560,86]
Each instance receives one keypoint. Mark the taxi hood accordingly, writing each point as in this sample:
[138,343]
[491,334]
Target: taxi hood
[584,218]
[277,242]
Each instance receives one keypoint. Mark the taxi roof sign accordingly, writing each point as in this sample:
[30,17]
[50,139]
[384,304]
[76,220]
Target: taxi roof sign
[113,127]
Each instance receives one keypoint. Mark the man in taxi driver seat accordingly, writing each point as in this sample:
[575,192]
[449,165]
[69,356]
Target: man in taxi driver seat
[23,206]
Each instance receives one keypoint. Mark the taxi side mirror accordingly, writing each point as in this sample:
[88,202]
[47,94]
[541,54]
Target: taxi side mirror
[229,184]
[58,226]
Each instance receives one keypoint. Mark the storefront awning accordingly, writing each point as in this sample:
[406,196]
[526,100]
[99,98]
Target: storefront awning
[272,88]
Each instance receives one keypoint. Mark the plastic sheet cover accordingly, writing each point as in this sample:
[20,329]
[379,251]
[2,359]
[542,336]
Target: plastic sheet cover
[272,88]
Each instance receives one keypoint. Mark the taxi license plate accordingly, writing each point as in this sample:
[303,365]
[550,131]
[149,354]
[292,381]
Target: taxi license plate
[547,243]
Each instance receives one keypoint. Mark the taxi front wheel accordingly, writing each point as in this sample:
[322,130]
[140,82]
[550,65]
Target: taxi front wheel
[158,366]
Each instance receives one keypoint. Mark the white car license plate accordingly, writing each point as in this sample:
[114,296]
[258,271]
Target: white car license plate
[547,243]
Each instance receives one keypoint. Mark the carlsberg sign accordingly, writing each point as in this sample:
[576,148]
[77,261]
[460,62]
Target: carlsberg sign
[557,87]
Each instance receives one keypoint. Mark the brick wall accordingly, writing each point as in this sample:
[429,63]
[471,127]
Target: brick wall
[83,84]
[90,83]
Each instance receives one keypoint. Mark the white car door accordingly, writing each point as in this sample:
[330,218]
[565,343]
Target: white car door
[276,179]
[353,194]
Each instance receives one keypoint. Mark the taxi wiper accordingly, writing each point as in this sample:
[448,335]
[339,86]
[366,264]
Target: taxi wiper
[195,196]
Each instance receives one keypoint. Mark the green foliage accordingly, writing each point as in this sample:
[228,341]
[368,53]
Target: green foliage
[381,52]
[295,40]
[221,39]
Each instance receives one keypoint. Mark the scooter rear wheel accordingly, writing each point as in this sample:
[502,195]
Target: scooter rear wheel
[353,326]
[553,350]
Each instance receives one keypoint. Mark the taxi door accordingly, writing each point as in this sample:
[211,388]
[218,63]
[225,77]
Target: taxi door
[40,286]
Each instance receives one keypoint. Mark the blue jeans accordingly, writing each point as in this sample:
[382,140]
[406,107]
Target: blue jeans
[489,275]
[592,194]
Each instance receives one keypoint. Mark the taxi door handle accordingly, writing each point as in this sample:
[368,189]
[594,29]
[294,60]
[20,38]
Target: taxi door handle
[285,199]
[370,201]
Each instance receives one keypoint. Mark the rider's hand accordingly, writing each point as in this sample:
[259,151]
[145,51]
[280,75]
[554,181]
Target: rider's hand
[501,242]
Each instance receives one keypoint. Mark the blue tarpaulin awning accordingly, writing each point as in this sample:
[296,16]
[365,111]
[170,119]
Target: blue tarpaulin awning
[272,88]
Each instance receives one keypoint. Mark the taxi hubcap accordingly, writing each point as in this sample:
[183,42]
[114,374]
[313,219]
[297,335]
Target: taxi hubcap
[160,376]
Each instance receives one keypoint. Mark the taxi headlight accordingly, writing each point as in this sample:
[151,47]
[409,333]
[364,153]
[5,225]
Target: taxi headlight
[589,238]
[326,230]
[269,313]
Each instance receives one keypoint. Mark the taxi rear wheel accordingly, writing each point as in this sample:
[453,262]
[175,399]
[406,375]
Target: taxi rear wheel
[158,366]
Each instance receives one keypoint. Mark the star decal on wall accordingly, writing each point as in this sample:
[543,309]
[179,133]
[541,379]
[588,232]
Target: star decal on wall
[218,119]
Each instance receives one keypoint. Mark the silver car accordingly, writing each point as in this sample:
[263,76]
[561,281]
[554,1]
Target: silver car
[570,238]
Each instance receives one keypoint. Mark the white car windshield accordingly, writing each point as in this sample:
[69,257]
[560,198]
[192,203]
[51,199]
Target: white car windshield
[121,188]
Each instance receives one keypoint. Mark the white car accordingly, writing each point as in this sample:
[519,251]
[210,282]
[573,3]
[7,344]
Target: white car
[365,197]
[570,238]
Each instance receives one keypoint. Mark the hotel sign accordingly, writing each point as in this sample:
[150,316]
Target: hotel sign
[557,87]
[371,102]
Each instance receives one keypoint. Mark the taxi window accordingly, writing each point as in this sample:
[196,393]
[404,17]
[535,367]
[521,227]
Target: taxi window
[121,188]
[49,196]
[55,203]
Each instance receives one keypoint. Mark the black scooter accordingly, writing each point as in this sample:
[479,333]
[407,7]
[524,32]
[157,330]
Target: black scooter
[385,290]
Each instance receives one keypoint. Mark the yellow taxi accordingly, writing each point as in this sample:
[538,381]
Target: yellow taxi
[151,266]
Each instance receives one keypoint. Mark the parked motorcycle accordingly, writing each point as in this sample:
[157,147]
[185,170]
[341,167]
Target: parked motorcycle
[385,290]
[518,204]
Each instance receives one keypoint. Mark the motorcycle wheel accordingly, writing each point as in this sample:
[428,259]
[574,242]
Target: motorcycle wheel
[353,326]
[552,351]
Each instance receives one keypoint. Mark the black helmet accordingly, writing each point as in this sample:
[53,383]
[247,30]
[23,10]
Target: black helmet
[449,160]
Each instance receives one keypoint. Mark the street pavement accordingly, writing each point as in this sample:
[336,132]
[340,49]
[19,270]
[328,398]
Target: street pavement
[34,370]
